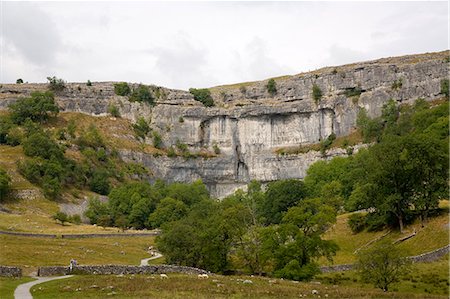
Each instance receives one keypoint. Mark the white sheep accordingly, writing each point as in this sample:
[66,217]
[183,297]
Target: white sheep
[163,276]
[203,276]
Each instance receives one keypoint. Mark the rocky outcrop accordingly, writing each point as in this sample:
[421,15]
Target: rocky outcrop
[248,124]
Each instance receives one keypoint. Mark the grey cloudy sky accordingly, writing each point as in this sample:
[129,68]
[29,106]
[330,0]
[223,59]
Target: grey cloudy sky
[202,44]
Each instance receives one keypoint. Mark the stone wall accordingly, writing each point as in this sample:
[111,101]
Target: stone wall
[10,271]
[77,236]
[118,269]
[422,258]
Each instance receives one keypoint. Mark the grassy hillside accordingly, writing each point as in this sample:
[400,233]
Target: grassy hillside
[433,236]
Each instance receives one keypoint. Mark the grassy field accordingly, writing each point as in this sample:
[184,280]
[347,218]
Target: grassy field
[424,278]
[8,285]
[433,236]
[32,252]
[189,286]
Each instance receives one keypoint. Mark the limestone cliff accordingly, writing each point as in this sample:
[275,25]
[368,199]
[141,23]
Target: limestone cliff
[248,124]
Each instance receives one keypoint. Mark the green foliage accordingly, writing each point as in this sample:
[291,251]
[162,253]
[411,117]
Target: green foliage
[71,128]
[90,138]
[316,93]
[104,221]
[99,182]
[75,219]
[122,89]
[216,149]
[61,217]
[5,184]
[444,87]
[5,125]
[353,92]
[142,94]
[113,110]
[370,128]
[202,95]
[280,196]
[397,84]
[357,222]
[56,84]
[157,140]
[382,265]
[141,128]
[15,136]
[39,107]
[19,81]
[181,119]
[88,83]
[171,152]
[97,209]
[39,144]
[326,144]
[167,210]
[271,87]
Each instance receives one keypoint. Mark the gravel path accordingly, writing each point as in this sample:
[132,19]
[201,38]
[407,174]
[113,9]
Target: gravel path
[144,262]
[23,290]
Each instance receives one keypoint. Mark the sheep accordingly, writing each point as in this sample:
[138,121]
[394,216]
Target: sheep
[203,276]
[163,276]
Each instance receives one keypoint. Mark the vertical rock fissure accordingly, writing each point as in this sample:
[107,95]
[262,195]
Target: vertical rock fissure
[240,165]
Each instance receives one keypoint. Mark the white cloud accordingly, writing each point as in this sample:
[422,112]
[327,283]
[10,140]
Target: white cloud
[199,44]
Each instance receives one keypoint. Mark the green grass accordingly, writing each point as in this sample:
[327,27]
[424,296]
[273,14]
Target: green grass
[9,284]
[424,278]
[33,252]
[189,286]
[433,236]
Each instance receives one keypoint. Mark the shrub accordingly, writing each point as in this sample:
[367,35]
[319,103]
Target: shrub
[39,144]
[96,209]
[99,182]
[271,87]
[157,140]
[15,136]
[181,119]
[39,107]
[141,128]
[113,110]
[90,138]
[56,84]
[122,89]
[89,83]
[171,152]
[326,144]
[61,217]
[216,149]
[5,182]
[353,92]
[357,222]
[71,128]
[316,93]
[397,84]
[104,221]
[76,219]
[444,87]
[5,125]
[202,95]
[19,81]
[142,94]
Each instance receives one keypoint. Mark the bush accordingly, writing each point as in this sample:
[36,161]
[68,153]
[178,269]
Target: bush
[96,209]
[326,144]
[39,107]
[90,138]
[113,110]
[76,219]
[142,94]
[357,222]
[171,152]
[19,81]
[271,87]
[216,149]
[56,84]
[89,83]
[15,136]
[353,92]
[157,140]
[5,182]
[316,93]
[444,87]
[99,182]
[39,144]
[61,217]
[122,89]
[141,128]
[202,95]
[397,84]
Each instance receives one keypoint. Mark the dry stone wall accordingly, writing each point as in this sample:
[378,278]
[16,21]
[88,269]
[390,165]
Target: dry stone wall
[7,271]
[248,124]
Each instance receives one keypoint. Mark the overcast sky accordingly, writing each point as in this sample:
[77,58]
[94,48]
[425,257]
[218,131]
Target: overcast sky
[203,44]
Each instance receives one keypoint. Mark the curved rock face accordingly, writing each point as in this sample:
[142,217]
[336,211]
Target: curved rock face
[248,124]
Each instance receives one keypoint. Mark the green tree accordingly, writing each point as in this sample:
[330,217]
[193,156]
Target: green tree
[141,128]
[279,197]
[56,84]
[167,210]
[104,220]
[444,87]
[96,209]
[5,182]
[142,94]
[39,107]
[316,93]
[19,81]
[61,217]
[271,87]
[99,182]
[202,95]
[122,89]
[113,110]
[382,265]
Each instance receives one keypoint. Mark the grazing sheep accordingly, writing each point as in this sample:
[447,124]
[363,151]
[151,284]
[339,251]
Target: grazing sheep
[203,276]
[247,281]
[163,276]
[314,292]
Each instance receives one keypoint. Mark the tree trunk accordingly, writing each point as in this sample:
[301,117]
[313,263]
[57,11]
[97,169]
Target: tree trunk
[400,222]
